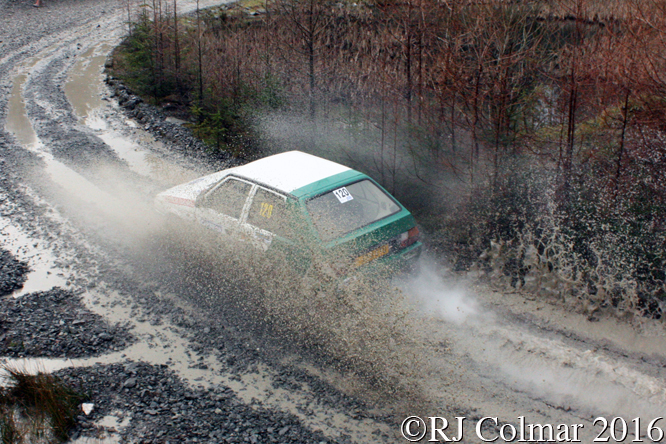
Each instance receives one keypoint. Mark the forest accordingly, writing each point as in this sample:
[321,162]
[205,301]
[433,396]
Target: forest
[526,136]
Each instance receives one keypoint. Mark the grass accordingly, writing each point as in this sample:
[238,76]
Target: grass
[36,407]
[9,431]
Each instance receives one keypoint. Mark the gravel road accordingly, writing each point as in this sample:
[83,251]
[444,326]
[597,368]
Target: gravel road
[169,348]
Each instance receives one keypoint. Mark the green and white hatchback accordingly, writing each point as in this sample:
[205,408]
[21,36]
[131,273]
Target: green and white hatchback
[305,208]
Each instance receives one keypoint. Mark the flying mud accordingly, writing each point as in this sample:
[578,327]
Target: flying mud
[344,364]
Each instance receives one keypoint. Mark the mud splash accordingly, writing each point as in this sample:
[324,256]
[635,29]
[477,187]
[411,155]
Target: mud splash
[366,335]
[436,293]
[159,344]
[362,328]
[479,357]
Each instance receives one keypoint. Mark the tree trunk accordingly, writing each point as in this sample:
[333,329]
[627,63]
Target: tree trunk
[200,62]
[620,152]
[176,49]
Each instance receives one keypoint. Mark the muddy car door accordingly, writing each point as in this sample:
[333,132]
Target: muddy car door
[273,228]
[221,208]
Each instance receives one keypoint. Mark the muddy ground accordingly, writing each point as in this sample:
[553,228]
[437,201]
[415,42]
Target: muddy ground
[173,349]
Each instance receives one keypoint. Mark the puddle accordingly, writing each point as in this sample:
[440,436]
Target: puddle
[125,210]
[129,151]
[22,129]
[250,388]
[108,438]
[114,422]
[17,121]
[84,89]
[143,161]
[176,121]
[17,117]
[111,425]
[44,274]
[124,207]
[82,86]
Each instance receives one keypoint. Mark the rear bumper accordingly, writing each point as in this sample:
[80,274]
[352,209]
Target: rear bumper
[403,261]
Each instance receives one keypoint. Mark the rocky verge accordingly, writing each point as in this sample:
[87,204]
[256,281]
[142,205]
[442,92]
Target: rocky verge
[12,273]
[167,129]
[56,324]
[163,409]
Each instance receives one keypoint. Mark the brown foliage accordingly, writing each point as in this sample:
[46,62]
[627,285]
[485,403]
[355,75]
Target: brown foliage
[481,80]
[454,92]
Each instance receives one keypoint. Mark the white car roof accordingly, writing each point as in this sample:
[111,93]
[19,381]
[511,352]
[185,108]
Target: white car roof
[289,171]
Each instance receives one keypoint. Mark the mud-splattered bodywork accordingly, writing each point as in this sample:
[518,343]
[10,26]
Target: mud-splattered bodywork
[298,202]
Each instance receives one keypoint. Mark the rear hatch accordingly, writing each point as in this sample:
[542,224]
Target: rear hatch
[359,223]
[374,244]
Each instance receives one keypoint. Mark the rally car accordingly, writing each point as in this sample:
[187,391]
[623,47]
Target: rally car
[305,208]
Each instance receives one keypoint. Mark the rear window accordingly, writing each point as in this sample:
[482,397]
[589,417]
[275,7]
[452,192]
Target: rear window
[349,208]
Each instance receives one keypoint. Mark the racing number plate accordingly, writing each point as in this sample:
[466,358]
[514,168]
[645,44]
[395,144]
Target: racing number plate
[372,255]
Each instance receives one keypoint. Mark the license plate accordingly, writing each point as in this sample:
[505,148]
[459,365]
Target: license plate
[372,255]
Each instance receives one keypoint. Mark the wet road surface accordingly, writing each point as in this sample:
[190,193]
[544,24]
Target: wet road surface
[78,177]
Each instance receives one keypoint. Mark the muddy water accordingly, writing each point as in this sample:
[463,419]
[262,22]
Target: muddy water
[112,426]
[44,273]
[17,121]
[83,86]
[132,144]
[84,89]
[109,437]
[129,212]
[163,345]
[17,118]
[483,358]
[492,365]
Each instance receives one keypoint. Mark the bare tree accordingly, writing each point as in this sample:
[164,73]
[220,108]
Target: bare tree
[308,19]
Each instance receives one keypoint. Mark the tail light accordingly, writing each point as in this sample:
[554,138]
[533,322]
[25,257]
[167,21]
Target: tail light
[409,237]
[400,242]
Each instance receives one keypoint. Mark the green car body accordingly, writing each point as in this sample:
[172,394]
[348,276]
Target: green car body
[328,214]
[354,250]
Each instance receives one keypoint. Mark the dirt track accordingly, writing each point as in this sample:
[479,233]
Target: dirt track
[76,187]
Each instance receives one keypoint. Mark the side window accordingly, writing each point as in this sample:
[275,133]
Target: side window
[268,212]
[228,198]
